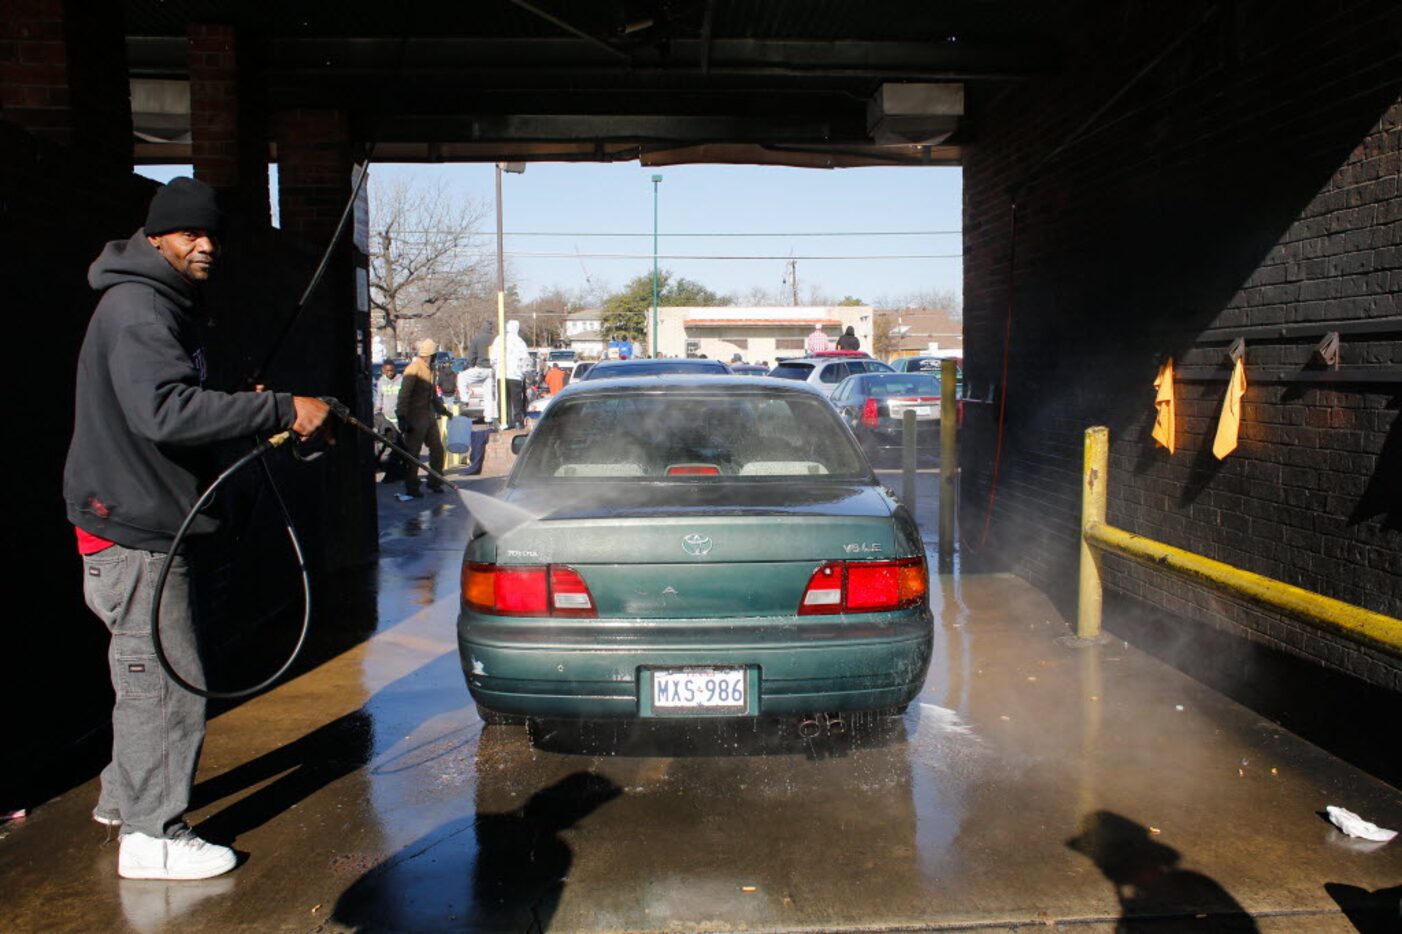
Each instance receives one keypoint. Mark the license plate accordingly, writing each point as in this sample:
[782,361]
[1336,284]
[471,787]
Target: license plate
[923,411]
[699,689]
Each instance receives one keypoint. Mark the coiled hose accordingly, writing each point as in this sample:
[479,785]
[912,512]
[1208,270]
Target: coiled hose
[263,447]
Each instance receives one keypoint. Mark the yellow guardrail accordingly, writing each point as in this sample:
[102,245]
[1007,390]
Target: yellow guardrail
[1353,622]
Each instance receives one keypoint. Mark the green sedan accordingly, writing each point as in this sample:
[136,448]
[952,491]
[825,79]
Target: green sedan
[694,547]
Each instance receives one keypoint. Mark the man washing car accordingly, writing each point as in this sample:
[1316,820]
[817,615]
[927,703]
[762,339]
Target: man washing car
[141,452]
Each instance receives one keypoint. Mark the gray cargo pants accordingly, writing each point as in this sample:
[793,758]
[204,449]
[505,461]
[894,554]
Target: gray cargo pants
[157,727]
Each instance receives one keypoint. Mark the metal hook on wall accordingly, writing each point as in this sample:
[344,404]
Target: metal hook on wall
[1237,350]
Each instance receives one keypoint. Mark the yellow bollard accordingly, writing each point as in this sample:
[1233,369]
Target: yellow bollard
[949,461]
[1093,483]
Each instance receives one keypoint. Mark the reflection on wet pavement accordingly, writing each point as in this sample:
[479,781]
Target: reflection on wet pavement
[1034,781]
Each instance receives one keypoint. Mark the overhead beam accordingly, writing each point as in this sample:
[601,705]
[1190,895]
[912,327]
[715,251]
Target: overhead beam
[499,59]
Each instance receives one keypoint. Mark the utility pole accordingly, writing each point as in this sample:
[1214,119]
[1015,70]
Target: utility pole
[502,410]
[656,179]
[793,279]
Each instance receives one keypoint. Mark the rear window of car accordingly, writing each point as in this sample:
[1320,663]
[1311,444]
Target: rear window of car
[792,370]
[869,366]
[914,384]
[691,438]
[658,368]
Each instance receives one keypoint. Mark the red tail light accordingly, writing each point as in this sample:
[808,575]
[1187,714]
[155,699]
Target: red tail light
[569,595]
[870,413]
[864,586]
[536,590]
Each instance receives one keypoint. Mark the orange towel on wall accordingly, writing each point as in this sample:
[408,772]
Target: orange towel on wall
[1165,421]
[1230,421]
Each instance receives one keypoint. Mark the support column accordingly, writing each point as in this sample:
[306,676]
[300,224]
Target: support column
[314,183]
[227,124]
[63,75]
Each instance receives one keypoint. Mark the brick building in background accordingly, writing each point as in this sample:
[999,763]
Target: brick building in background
[907,332]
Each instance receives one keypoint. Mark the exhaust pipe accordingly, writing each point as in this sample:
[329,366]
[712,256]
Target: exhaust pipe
[836,725]
[808,728]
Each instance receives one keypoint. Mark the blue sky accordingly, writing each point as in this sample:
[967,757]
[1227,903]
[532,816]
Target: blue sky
[590,198]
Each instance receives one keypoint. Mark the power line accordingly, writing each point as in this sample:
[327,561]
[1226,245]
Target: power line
[583,233]
[689,256]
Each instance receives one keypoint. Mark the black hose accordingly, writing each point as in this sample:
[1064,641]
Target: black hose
[258,451]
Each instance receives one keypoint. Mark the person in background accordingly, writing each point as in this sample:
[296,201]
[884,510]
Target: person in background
[817,341]
[387,398]
[480,348]
[417,412]
[511,356]
[385,402]
[446,379]
[849,340]
[554,379]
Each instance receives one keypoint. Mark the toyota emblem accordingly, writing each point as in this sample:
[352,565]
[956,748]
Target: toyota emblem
[696,545]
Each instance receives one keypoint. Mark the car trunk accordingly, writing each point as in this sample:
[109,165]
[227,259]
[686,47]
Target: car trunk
[926,408]
[700,550]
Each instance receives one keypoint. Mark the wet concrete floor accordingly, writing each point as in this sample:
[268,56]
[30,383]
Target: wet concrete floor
[1033,783]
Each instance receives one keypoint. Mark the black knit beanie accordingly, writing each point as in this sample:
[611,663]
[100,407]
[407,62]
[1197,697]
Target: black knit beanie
[184,204]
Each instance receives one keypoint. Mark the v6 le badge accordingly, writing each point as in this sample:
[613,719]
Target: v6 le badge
[863,548]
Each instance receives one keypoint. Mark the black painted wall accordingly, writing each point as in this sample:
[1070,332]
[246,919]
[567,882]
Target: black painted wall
[1242,170]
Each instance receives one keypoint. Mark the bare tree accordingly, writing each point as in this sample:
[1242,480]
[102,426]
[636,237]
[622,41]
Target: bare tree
[421,254]
[943,299]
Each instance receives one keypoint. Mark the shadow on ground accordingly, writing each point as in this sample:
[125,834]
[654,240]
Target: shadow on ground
[1154,893]
[501,871]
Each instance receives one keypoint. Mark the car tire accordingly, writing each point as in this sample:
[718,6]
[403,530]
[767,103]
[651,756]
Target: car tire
[491,717]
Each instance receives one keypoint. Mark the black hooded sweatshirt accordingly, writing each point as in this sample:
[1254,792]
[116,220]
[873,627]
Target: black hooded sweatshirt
[479,350]
[144,421]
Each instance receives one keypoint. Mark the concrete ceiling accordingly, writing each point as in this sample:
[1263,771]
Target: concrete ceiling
[817,83]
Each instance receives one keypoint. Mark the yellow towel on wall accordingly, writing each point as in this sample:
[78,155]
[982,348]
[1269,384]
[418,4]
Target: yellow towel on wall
[1230,421]
[1165,421]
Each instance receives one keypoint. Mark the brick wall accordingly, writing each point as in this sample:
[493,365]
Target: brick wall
[1245,172]
[229,133]
[57,66]
[313,171]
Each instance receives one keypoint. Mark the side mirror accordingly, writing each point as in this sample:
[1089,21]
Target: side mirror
[519,442]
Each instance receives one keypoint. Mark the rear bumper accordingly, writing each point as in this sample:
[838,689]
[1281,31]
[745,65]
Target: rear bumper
[566,670]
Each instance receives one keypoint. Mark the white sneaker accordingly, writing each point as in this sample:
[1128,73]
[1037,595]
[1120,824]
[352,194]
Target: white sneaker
[184,856]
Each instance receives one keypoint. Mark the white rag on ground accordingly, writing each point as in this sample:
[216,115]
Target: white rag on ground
[1355,826]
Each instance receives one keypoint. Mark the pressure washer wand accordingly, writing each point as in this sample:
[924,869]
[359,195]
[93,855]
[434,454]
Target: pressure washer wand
[343,412]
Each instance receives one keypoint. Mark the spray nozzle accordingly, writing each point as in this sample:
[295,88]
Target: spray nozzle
[342,411]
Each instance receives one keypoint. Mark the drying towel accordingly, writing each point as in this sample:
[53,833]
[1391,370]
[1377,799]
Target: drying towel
[1231,412]
[1164,422]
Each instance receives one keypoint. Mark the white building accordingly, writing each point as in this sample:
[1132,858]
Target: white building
[755,333]
[584,332]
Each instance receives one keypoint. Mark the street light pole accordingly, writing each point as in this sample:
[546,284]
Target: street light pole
[501,314]
[655,180]
[516,167]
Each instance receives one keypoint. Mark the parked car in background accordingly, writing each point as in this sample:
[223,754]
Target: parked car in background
[704,547]
[578,372]
[665,366]
[823,371]
[564,359]
[926,364]
[748,369]
[874,405]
